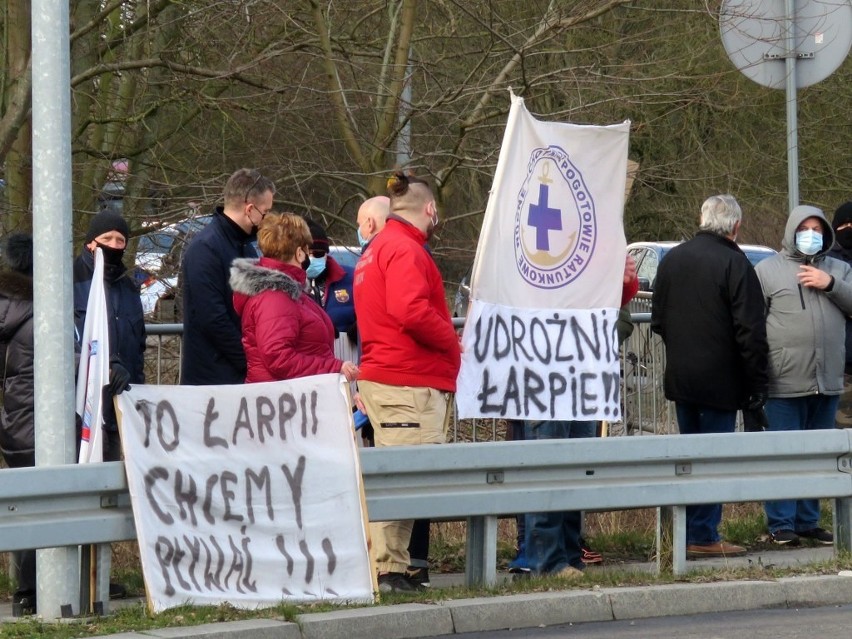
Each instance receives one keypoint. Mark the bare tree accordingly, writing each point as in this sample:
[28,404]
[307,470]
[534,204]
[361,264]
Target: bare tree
[322,95]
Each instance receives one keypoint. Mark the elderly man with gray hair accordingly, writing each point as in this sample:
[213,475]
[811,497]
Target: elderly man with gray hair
[708,307]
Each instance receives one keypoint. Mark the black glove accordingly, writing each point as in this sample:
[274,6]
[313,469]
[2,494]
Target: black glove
[352,333]
[755,421]
[755,401]
[119,379]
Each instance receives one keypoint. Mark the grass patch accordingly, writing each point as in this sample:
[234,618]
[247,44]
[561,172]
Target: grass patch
[137,618]
[623,537]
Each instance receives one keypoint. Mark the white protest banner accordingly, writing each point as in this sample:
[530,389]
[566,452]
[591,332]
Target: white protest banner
[247,494]
[93,369]
[540,340]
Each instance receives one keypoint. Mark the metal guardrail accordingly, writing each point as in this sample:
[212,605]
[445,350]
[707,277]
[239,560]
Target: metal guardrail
[70,505]
[54,506]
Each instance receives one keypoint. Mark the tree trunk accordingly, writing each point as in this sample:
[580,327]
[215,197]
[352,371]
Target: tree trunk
[18,161]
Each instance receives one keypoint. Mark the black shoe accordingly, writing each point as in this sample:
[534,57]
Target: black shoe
[817,534]
[519,574]
[418,575]
[24,603]
[117,591]
[785,538]
[397,582]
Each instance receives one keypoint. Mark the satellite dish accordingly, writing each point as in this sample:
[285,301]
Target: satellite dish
[754,36]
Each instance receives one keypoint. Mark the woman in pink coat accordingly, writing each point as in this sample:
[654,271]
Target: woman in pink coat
[286,334]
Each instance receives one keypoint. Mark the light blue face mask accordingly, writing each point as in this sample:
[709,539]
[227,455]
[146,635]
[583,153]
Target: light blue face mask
[316,267]
[361,239]
[808,242]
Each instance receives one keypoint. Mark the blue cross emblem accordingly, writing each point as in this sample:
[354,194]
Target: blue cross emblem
[542,217]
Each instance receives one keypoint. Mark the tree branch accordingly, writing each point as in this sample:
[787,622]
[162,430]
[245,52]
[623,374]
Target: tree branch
[177,67]
[387,120]
[336,89]
[17,111]
[546,26]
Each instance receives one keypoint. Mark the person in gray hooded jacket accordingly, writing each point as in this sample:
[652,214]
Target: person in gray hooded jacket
[808,297]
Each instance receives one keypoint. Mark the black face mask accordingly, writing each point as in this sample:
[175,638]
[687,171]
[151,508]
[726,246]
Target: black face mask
[844,238]
[112,256]
[305,263]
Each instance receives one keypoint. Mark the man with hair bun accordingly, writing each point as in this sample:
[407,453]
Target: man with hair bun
[708,308]
[410,351]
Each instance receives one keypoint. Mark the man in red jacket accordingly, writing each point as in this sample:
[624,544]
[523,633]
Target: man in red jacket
[410,352]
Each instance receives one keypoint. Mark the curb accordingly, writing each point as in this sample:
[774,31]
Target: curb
[406,621]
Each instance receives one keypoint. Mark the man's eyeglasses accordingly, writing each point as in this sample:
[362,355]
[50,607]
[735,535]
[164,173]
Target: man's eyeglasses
[251,188]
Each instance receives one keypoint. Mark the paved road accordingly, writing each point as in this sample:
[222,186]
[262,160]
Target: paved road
[753,624]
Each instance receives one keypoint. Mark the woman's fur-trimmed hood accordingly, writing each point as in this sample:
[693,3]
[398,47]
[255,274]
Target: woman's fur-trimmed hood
[249,278]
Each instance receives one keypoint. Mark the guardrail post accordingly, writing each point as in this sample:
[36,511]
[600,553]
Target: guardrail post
[671,540]
[481,556]
[843,506]
[94,593]
[843,524]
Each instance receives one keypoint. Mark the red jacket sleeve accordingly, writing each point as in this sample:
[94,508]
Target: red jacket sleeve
[629,290]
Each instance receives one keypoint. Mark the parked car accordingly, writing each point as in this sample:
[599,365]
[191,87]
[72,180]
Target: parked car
[346,256]
[158,259]
[462,296]
[649,254]
[164,249]
[159,252]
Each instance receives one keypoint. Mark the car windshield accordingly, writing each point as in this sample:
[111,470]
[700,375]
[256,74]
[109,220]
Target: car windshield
[757,256]
[346,256]
[156,243]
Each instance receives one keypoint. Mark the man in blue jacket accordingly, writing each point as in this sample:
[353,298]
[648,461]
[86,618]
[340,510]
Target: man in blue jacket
[109,232]
[331,284]
[212,340]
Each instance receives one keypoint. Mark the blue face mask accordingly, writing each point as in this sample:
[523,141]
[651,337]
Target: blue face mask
[808,242]
[361,239]
[316,267]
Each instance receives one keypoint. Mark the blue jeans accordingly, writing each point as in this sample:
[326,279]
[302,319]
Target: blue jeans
[813,412]
[553,539]
[702,521]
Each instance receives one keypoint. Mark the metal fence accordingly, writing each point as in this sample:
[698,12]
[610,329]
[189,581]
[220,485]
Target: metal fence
[645,409]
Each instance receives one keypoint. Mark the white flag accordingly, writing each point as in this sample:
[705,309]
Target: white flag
[93,372]
[540,339]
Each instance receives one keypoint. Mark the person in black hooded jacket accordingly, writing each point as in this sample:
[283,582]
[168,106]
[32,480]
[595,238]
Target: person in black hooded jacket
[842,250]
[109,232]
[17,433]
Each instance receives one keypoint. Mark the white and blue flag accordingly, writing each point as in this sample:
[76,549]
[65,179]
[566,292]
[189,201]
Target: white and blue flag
[540,339]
